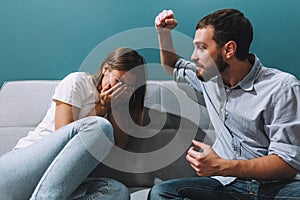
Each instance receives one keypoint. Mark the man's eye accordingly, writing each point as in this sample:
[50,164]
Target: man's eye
[200,48]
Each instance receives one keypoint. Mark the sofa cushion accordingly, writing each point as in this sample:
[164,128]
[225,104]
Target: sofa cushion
[178,99]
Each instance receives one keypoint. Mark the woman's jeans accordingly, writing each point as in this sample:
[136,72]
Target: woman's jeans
[205,188]
[56,167]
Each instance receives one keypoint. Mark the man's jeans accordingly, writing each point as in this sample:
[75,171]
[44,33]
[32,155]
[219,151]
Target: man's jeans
[202,188]
[56,167]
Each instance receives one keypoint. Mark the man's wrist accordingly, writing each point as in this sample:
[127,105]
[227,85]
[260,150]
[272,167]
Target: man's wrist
[163,31]
[228,167]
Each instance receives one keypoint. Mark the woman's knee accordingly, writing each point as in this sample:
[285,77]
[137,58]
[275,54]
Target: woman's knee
[96,135]
[99,127]
[101,188]
[105,188]
[118,189]
[106,127]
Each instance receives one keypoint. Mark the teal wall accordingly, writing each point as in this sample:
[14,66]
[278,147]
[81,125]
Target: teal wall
[48,39]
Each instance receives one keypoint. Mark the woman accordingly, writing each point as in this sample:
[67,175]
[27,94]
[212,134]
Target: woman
[85,117]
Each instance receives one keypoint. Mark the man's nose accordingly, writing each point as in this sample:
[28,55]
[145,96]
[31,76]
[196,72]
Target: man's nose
[194,55]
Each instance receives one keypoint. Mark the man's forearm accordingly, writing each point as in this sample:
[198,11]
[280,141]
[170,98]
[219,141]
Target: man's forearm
[168,53]
[270,167]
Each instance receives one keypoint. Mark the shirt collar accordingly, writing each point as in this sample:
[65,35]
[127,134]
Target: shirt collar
[247,83]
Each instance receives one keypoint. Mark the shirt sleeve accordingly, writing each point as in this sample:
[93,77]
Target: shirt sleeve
[71,90]
[185,72]
[283,125]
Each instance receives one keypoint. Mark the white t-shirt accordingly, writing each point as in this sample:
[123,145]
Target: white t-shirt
[77,89]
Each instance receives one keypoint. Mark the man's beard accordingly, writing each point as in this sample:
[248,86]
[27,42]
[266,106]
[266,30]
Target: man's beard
[212,71]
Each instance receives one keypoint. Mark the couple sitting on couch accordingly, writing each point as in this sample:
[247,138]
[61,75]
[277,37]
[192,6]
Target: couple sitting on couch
[253,110]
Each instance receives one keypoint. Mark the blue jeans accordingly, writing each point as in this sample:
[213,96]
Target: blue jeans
[56,167]
[202,188]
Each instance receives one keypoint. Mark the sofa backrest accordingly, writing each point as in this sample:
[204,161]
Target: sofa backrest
[169,109]
[23,105]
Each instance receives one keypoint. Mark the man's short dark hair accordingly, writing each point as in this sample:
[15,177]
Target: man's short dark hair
[230,24]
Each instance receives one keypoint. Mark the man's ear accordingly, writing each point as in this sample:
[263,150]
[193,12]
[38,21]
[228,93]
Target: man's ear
[230,49]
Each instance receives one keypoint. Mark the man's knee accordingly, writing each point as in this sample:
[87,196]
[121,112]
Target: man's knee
[157,191]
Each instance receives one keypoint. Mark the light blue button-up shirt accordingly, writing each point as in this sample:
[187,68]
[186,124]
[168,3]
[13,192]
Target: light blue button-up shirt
[259,116]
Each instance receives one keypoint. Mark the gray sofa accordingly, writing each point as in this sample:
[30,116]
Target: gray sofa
[174,115]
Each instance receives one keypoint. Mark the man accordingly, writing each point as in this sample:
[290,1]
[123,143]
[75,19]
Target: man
[254,110]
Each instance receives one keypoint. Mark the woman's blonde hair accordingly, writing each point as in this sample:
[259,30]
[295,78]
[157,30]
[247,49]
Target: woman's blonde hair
[125,59]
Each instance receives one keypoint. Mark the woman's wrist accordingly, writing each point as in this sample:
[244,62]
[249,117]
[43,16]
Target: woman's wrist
[101,110]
